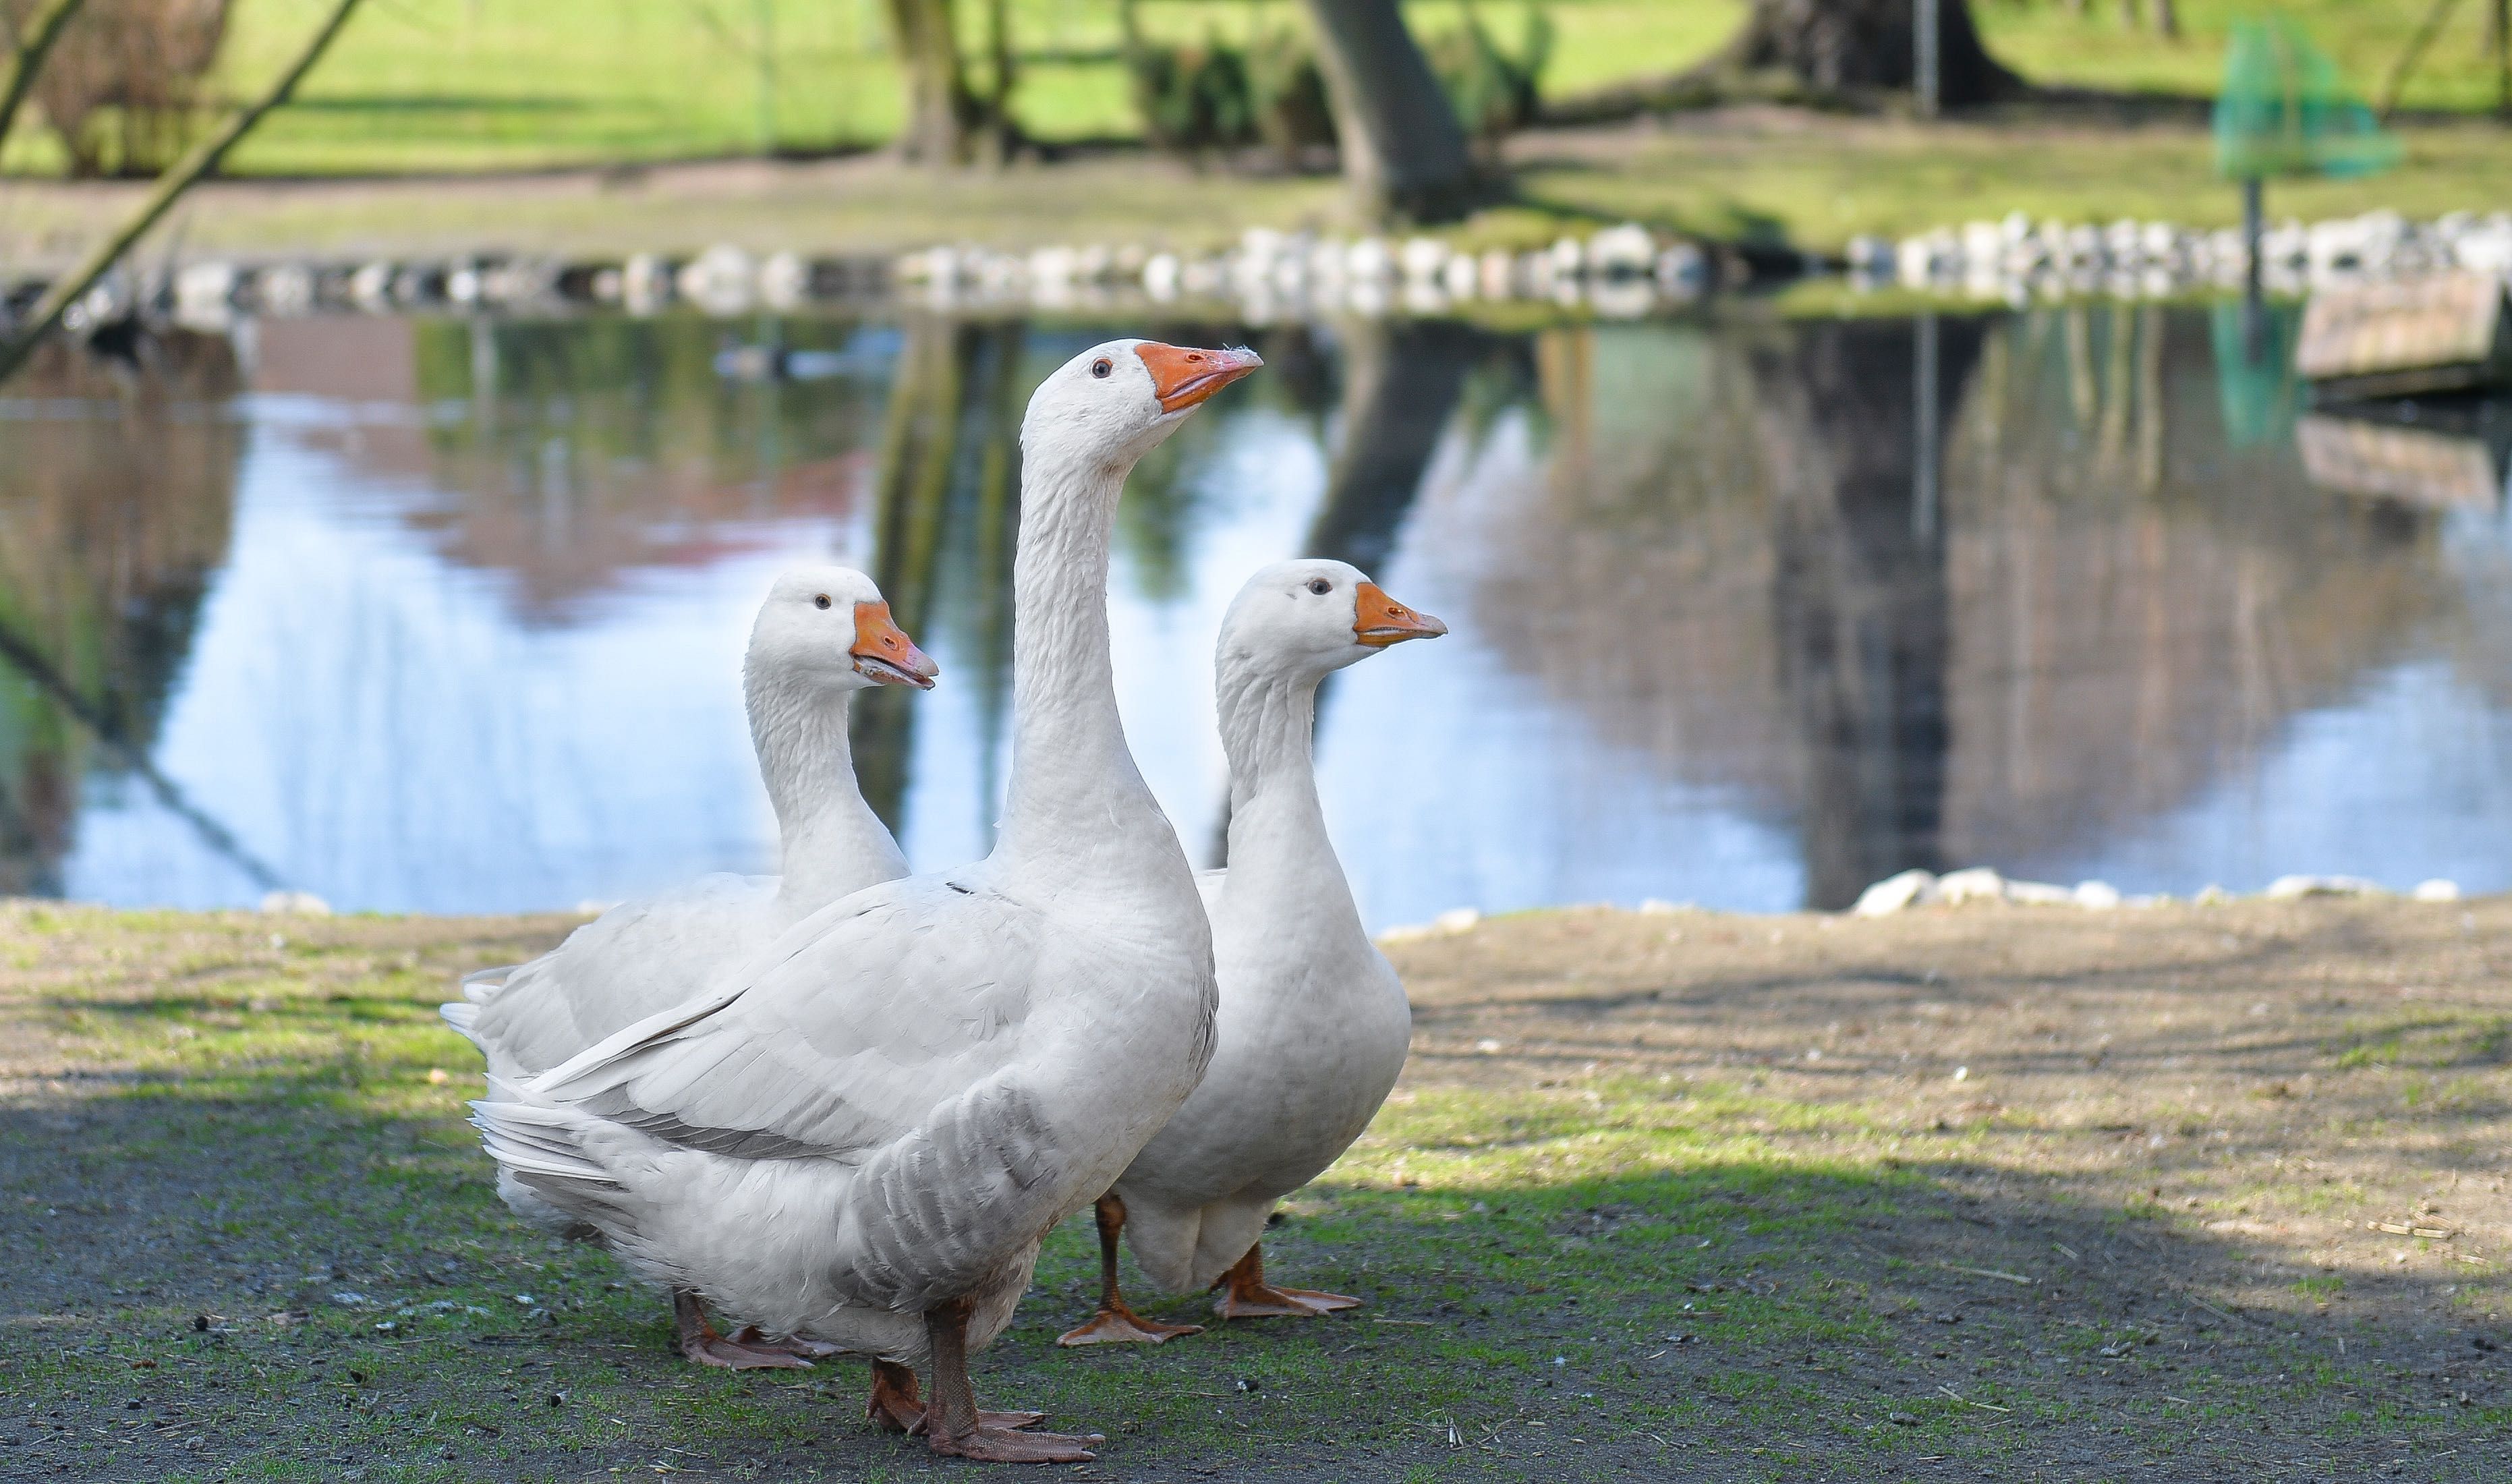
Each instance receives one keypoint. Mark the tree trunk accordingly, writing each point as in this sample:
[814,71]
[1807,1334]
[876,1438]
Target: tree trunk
[1843,46]
[940,112]
[1403,151]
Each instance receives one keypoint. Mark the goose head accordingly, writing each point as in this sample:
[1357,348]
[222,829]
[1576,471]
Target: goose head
[828,627]
[1105,408]
[1310,617]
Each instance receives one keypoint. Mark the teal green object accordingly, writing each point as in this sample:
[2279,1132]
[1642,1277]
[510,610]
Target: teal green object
[2285,111]
[2260,397]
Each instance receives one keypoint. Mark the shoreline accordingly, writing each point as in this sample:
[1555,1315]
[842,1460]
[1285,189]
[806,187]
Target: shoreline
[1747,177]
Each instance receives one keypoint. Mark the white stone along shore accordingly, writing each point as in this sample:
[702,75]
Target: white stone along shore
[1981,885]
[1622,271]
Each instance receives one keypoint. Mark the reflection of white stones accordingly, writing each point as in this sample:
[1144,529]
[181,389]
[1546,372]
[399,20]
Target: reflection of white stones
[1622,271]
[1980,884]
[722,280]
[2016,260]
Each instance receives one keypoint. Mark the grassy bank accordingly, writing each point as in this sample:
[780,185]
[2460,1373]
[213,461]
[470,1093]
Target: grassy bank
[1753,173]
[471,84]
[1994,1190]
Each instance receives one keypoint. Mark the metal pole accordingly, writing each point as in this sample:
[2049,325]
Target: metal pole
[763,15]
[1927,82]
[1925,479]
[2253,308]
[2498,28]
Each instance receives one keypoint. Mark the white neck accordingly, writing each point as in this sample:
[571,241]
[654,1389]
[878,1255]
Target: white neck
[833,843]
[1279,853]
[1076,797]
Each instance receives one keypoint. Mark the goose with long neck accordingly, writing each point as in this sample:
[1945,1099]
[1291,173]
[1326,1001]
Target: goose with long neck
[823,634]
[1313,1025]
[860,1137]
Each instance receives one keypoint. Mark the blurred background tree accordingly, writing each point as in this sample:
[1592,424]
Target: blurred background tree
[1839,47]
[31,40]
[1210,98]
[950,120]
[1403,153]
[122,87]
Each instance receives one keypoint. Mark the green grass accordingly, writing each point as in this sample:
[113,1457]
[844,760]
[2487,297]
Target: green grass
[461,85]
[1817,189]
[2092,49]
[465,85]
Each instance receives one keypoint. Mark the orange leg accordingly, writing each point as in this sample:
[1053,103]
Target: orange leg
[1114,1323]
[954,1425]
[700,1342]
[896,1407]
[1250,1297]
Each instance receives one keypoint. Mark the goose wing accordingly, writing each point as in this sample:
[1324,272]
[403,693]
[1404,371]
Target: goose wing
[843,1036]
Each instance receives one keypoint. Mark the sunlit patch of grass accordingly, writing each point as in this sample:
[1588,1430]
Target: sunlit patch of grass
[2427,1040]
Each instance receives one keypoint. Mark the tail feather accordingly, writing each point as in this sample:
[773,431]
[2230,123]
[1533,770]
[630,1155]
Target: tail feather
[463,1015]
[481,986]
[539,1143]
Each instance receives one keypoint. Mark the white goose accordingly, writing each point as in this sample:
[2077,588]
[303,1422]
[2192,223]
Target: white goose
[823,634]
[861,1136]
[1313,1026]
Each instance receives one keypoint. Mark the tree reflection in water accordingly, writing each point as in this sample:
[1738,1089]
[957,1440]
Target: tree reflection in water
[115,507]
[2109,608]
[1845,416]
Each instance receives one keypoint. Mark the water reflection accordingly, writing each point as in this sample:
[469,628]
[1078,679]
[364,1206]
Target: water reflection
[444,615]
[114,512]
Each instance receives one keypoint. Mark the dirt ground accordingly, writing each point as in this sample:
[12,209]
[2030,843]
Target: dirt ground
[2302,1106]
[2195,1193]
[2280,1077]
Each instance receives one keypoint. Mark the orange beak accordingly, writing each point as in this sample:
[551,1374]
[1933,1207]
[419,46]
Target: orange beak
[1378,620]
[883,653]
[1182,377]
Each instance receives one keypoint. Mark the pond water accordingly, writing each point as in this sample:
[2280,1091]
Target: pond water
[446,616]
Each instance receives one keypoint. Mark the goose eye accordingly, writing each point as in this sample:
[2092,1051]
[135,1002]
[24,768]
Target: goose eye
[1320,586]
[821,602]
[1100,367]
